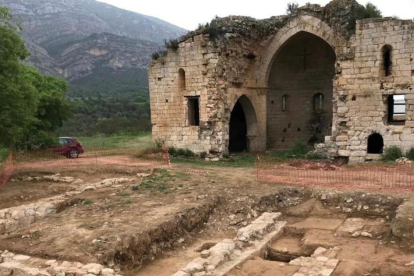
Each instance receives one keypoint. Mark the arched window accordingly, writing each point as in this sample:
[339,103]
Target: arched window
[318,102]
[375,144]
[181,80]
[387,60]
[284,102]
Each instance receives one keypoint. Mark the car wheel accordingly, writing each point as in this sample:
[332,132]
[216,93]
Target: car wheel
[73,153]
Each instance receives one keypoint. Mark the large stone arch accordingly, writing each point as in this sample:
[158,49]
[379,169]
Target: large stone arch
[301,23]
[244,104]
[281,73]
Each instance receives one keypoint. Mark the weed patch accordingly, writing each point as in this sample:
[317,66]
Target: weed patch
[186,153]
[392,153]
[159,181]
[126,202]
[87,202]
[410,154]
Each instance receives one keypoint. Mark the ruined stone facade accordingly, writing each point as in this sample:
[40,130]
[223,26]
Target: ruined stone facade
[245,84]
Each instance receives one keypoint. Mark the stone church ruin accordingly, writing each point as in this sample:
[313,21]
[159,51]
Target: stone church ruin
[317,75]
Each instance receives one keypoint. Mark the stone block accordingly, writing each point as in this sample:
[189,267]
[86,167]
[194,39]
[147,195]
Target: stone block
[314,223]
[359,154]
[258,228]
[181,273]
[403,224]
[344,153]
[197,265]
[93,268]
[342,138]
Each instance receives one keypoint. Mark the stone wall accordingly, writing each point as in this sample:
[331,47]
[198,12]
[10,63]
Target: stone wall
[21,217]
[169,108]
[363,88]
[244,62]
[300,79]
[14,264]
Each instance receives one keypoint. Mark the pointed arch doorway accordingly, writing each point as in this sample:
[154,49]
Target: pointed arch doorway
[300,98]
[243,126]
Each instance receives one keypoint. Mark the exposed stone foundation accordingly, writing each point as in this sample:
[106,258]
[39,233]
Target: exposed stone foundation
[20,217]
[13,264]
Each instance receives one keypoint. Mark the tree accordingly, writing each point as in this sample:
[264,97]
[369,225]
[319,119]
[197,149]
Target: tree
[52,109]
[18,96]
[371,11]
[292,7]
[32,105]
[361,12]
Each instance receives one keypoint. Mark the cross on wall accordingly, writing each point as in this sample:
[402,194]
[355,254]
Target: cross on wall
[305,57]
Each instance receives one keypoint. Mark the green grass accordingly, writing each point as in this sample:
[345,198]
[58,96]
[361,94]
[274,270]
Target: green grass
[160,181]
[117,141]
[236,161]
[127,201]
[87,202]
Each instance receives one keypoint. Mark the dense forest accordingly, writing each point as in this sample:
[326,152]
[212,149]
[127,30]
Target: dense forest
[125,108]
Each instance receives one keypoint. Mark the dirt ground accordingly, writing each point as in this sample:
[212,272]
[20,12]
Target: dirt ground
[379,177]
[154,225]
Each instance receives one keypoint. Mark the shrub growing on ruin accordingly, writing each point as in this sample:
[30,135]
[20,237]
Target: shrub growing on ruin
[172,44]
[155,56]
[292,7]
[361,12]
[371,11]
[159,54]
[392,153]
[410,154]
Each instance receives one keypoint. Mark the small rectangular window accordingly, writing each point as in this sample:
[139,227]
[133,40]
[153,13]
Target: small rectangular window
[396,108]
[193,111]
[284,103]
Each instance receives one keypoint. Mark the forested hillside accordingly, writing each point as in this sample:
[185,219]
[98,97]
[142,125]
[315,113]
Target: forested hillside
[102,51]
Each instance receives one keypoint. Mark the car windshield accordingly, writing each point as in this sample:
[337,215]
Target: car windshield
[63,141]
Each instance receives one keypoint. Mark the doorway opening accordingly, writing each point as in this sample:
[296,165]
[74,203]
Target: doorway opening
[375,144]
[238,130]
[243,127]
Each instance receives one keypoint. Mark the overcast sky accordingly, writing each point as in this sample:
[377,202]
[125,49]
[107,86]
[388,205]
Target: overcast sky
[189,13]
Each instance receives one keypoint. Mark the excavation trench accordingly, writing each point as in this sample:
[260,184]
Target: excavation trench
[330,226]
[138,249]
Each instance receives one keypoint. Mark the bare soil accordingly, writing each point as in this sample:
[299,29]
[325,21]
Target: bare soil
[24,192]
[154,226]
[377,177]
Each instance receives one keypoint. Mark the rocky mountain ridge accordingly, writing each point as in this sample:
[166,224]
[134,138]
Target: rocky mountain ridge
[73,38]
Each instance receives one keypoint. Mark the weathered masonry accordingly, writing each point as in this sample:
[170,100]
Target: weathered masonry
[316,75]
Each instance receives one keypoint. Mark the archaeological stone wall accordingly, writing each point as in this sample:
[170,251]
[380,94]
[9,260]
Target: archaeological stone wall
[247,64]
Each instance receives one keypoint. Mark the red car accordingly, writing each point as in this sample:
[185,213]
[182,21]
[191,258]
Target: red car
[69,147]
